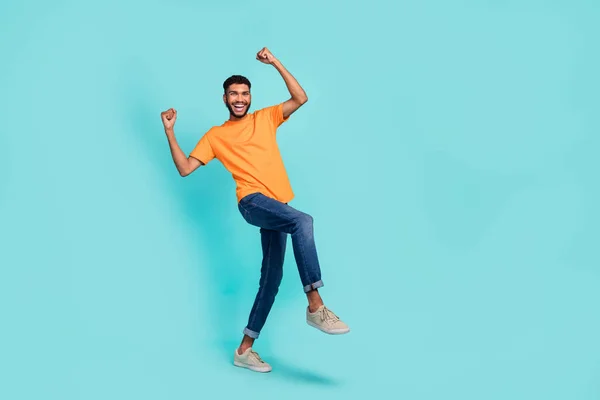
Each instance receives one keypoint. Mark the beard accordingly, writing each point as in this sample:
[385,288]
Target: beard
[231,110]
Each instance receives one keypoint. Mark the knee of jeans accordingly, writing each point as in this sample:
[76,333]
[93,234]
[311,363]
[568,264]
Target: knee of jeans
[305,221]
[273,280]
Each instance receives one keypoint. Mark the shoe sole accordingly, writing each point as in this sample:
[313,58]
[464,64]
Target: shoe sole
[329,332]
[251,368]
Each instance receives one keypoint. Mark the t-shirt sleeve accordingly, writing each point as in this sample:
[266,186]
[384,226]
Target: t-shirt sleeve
[276,114]
[203,150]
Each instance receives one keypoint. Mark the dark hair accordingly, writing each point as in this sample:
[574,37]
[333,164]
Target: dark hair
[235,79]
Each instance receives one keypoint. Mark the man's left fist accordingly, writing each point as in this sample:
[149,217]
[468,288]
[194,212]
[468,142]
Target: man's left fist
[265,56]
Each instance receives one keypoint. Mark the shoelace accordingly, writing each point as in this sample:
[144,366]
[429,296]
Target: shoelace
[328,315]
[255,354]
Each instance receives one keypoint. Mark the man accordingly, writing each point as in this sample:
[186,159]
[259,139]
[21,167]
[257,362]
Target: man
[246,145]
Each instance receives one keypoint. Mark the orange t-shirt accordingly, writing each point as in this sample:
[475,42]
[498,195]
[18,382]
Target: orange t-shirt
[248,150]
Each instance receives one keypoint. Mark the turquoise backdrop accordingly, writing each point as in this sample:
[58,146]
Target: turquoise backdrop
[448,153]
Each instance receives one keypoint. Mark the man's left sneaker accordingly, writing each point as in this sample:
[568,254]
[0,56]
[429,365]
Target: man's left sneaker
[251,360]
[325,320]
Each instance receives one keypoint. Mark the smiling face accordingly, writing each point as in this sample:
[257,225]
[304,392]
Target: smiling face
[237,99]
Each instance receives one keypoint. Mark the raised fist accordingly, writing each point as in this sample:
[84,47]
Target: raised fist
[169,117]
[265,56]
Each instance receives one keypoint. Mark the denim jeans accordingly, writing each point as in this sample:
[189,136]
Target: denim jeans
[276,220]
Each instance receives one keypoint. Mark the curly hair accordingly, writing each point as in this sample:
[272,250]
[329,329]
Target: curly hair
[235,79]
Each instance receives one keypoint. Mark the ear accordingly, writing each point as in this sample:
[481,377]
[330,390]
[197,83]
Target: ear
[224,98]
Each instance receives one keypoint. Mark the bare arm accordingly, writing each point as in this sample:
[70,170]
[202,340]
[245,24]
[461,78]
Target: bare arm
[185,165]
[298,95]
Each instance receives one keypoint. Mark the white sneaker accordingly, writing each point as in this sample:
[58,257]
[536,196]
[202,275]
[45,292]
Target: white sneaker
[325,320]
[251,360]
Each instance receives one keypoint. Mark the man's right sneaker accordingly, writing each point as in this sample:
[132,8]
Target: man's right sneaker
[251,360]
[325,320]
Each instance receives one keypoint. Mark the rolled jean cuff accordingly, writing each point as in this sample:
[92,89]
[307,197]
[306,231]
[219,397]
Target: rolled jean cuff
[313,286]
[251,333]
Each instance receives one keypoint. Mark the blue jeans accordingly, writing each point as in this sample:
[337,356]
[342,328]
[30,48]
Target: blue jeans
[276,220]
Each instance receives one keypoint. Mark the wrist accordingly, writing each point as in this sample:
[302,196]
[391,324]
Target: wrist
[170,131]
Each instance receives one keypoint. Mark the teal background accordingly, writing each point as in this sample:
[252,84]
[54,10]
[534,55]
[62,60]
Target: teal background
[448,153]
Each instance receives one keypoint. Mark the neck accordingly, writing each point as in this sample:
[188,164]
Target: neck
[233,118]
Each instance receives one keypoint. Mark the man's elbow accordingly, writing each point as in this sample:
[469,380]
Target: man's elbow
[299,100]
[183,172]
[191,165]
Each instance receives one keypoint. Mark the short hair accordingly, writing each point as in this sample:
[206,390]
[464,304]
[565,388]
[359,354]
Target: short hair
[235,79]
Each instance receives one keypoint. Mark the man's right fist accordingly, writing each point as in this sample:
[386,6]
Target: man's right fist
[169,117]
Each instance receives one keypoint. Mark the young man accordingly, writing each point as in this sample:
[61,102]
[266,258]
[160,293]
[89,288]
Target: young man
[246,145]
